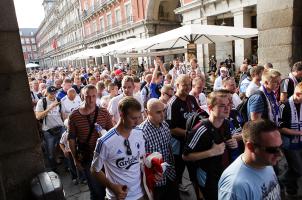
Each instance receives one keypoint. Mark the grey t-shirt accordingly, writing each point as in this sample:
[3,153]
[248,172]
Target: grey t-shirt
[240,181]
[53,117]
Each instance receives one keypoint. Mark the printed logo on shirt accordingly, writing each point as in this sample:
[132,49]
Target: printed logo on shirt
[119,152]
[272,192]
[137,145]
[187,115]
[126,163]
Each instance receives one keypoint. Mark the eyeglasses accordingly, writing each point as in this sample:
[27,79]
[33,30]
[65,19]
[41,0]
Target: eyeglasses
[271,150]
[169,95]
[127,144]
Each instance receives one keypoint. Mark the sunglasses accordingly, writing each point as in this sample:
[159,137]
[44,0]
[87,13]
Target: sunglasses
[169,95]
[271,150]
[127,144]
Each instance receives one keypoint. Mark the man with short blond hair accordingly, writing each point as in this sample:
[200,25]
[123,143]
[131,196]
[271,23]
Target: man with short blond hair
[128,89]
[119,151]
[179,109]
[266,96]
[206,146]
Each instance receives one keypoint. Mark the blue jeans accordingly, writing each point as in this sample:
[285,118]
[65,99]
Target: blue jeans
[97,190]
[51,142]
[75,174]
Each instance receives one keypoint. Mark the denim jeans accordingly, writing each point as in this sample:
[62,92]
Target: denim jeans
[294,171]
[51,142]
[97,190]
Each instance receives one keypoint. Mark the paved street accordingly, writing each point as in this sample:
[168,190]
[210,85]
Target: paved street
[81,192]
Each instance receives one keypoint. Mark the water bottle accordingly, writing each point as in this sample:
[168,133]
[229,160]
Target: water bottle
[99,129]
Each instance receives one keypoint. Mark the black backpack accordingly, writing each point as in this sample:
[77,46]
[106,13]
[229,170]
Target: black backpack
[195,121]
[242,107]
[45,106]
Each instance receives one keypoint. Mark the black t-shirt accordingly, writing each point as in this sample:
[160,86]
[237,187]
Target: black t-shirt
[78,90]
[178,111]
[202,140]
[118,83]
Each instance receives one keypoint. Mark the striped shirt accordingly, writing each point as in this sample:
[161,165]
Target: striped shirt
[79,126]
[158,140]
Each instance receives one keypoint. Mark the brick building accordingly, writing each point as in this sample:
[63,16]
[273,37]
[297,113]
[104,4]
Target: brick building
[29,45]
[99,23]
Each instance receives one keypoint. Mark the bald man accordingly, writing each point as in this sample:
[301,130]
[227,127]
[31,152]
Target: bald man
[157,139]
[70,102]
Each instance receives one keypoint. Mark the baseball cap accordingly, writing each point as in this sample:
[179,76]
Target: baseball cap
[51,89]
[118,72]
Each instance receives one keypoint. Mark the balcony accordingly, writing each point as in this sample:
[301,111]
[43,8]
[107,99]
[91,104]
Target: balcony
[95,8]
[116,27]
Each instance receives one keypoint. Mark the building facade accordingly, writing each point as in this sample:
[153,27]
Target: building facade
[61,32]
[238,13]
[29,45]
[99,23]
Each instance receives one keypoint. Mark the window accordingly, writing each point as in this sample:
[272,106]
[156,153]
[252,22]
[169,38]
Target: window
[33,40]
[128,12]
[27,40]
[34,47]
[22,41]
[102,29]
[24,49]
[117,17]
[94,27]
[28,47]
[109,21]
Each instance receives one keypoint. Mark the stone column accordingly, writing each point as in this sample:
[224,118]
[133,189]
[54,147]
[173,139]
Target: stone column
[20,147]
[279,23]
[242,18]
[208,49]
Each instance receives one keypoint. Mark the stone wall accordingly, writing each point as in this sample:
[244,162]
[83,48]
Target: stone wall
[280,34]
[20,151]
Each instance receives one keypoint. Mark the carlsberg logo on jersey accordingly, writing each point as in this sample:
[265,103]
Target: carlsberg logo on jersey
[126,163]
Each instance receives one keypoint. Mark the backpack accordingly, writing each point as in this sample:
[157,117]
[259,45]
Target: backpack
[242,107]
[195,121]
[44,101]
[45,104]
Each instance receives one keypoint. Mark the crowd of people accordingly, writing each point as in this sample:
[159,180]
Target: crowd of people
[106,122]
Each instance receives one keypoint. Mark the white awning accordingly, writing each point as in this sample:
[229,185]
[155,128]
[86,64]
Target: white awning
[193,33]
[115,48]
[32,65]
[153,53]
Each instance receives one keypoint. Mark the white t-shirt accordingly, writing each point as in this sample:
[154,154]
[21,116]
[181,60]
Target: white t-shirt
[63,141]
[251,89]
[68,106]
[236,100]
[121,168]
[53,117]
[218,83]
[202,101]
[113,106]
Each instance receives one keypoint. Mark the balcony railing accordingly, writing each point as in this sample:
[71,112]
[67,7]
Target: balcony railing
[119,25]
[86,13]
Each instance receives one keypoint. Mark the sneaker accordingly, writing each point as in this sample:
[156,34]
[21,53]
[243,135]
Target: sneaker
[84,181]
[75,181]
[183,188]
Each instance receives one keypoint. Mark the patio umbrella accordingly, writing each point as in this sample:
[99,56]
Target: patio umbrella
[193,34]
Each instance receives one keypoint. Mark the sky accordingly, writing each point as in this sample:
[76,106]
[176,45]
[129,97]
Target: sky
[29,13]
